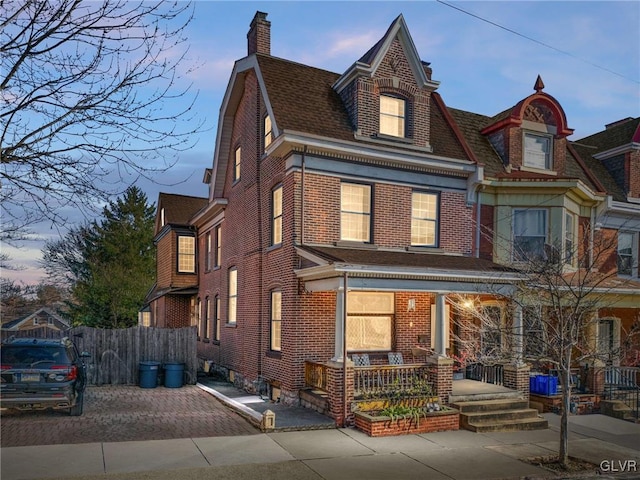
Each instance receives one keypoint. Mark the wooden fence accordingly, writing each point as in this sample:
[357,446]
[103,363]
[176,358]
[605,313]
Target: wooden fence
[116,353]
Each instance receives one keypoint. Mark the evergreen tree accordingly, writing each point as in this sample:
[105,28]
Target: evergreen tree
[110,263]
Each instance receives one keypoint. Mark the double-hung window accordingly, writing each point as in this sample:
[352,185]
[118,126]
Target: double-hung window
[625,253]
[209,251]
[206,312]
[569,238]
[237,158]
[267,132]
[276,320]
[218,253]
[186,254]
[276,216]
[392,116]
[537,151]
[216,318]
[355,212]
[424,219]
[233,296]
[529,234]
[369,321]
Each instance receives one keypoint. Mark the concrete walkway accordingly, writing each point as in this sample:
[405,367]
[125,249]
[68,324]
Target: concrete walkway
[333,454]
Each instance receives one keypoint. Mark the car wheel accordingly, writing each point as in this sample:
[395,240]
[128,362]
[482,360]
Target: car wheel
[76,410]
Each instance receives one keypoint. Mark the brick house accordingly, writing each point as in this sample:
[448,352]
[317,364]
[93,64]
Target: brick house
[342,218]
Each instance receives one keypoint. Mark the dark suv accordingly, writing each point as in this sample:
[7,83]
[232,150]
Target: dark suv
[42,373]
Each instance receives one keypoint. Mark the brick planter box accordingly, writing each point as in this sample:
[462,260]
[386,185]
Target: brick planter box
[378,426]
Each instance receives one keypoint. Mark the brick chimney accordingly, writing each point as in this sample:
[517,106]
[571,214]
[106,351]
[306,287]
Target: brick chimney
[259,36]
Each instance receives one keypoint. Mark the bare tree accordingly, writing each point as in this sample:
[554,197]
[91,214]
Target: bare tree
[90,92]
[562,290]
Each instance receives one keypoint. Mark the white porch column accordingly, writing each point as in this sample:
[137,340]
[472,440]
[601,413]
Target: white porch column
[441,341]
[339,336]
[518,336]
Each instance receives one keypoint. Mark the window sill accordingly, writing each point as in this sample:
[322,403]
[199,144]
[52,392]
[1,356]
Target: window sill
[270,248]
[425,249]
[544,171]
[354,244]
[392,138]
[274,354]
[230,325]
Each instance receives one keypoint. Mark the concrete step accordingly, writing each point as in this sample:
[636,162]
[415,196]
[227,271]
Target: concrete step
[477,397]
[491,405]
[509,425]
[316,400]
[497,416]
[499,413]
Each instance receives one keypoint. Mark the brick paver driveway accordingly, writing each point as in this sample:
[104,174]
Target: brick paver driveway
[123,413]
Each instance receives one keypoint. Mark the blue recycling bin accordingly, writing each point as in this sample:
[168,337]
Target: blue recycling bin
[173,374]
[149,374]
[544,384]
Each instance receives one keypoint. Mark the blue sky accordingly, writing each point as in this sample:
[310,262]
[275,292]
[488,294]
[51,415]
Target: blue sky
[588,54]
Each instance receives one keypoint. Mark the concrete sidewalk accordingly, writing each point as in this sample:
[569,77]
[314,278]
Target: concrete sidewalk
[323,454]
[333,454]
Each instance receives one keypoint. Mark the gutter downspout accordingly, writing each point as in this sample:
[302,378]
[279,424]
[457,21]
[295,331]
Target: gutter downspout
[302,209]
[344,353]
[477,245]
[260,225]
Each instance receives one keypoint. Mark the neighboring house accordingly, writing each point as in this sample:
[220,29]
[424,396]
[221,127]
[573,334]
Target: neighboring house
[172,298]
[41,318]
[542,196]
[342,217]
[613,156]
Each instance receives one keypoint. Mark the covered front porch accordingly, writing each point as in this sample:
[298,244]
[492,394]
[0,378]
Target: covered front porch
[399,304]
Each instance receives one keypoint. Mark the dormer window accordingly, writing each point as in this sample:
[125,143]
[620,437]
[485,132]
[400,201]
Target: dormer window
[537,151]
[268,131]
[392,116]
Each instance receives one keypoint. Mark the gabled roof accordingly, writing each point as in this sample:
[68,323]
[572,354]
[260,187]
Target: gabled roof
[40,313]
[302,99]
[370,61]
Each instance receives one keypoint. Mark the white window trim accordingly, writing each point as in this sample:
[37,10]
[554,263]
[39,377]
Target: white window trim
[181,254]
[276,216]
[367,212]
[232,308]
[435,220]
[275,294]
[514,254]
[634,254]
[403,117]
[549,155]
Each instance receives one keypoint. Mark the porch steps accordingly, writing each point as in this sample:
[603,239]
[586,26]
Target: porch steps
[503,414]
[314,399]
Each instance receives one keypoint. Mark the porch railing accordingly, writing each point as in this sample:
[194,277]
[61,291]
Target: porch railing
[378,380]
[621,383]
[486,373]
[315,375]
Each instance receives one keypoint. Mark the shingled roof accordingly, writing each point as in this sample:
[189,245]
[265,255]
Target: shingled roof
[178,209]
[356,256]
[303,100]
[619,133]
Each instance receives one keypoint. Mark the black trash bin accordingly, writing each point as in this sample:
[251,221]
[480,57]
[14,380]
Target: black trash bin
[149,374]
[173,374]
